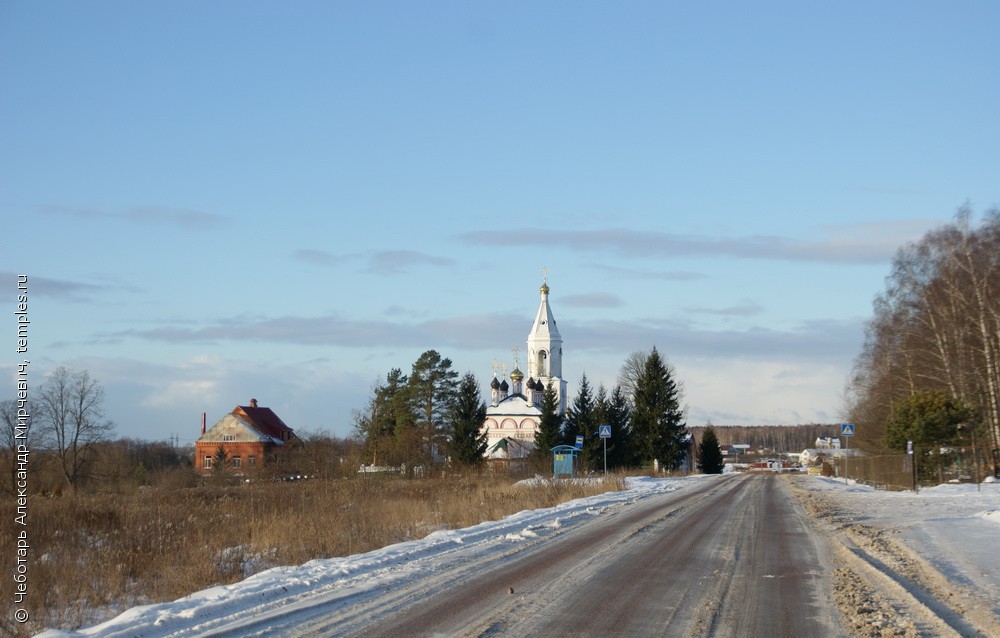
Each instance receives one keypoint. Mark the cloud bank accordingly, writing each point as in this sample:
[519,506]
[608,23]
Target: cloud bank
[873,243]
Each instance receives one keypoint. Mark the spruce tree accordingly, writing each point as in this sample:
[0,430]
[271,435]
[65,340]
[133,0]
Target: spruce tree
[615,411]
[219,460]
[582,418]
[466,442]
[658,428]
[709,453]
[548,432]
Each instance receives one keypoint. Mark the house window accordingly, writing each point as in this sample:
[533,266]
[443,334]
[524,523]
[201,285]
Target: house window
[208,462]
[251,460]
[236,461]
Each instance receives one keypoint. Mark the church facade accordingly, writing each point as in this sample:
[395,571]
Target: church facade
[514,412]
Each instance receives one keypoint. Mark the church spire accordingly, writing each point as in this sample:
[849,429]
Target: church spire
[545,346]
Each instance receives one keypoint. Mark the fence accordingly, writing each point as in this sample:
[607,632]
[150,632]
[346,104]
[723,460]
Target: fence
[925,467]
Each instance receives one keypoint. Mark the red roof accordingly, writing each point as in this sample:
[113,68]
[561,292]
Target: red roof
[265,421]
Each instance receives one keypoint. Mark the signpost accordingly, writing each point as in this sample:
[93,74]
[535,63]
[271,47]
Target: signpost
[604,431]
[846,431]
[912,460]
[579,441]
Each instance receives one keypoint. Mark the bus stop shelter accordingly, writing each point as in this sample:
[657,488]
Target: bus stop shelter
[563,460]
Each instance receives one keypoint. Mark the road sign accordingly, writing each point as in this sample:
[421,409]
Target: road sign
[605,431]
[846,429]
[579,441]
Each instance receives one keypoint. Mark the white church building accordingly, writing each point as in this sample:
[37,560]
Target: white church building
[515,410]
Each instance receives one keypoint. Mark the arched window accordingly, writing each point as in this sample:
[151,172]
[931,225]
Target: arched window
[543,363]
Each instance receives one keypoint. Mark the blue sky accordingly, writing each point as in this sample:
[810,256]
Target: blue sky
[219,201]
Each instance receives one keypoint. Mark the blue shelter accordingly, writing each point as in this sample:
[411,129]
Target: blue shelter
[563,457]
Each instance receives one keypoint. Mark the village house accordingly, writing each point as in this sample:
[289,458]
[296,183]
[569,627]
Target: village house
[249,435]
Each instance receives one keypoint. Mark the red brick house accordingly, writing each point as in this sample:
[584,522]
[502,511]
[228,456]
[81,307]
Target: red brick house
[249,434]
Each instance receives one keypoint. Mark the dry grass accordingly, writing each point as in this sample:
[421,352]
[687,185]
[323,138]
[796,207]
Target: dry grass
[98,553]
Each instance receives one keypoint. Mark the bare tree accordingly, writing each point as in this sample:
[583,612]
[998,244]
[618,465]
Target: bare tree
[631,370]
[936,328]
[71,412]
[634,367]
[9,441]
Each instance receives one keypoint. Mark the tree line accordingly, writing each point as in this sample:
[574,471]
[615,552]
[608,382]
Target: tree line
[929,370]
[431,414]
[771,439]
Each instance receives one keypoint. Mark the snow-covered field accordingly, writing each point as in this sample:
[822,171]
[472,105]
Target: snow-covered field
[955,527]
[289,591]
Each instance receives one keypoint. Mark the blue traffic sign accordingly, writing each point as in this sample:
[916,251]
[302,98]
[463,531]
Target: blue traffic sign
[604,431]
[846,429]
[579,441]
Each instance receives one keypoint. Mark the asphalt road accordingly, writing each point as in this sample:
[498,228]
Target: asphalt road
[727,558]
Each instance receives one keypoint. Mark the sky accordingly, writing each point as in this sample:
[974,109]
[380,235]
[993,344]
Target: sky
[285,200]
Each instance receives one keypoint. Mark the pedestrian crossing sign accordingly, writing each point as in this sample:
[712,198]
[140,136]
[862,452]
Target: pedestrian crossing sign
[605,431]
[846,429]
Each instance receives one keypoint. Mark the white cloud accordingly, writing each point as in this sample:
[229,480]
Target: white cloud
[760,392]
[394,262]
[844,244]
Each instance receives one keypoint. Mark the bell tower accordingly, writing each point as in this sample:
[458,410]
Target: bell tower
[545,347]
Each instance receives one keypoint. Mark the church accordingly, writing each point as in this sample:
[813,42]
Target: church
[515,410]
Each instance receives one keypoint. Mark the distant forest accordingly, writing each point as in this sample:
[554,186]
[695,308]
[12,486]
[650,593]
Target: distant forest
[779,438]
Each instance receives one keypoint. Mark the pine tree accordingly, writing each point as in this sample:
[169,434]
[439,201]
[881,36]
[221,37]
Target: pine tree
[387,415]
[658,428]
[466,443]
[709,453]
[548,432]
[431,393]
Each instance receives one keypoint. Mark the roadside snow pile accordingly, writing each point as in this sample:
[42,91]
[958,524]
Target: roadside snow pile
[333,580]
[992,516]
[951,526]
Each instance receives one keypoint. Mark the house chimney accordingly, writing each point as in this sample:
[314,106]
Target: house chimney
[203,424]
[253,403]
